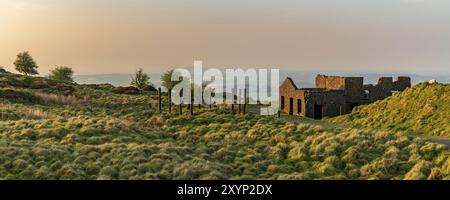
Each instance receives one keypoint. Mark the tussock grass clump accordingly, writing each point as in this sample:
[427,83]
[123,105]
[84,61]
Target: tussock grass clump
[57,99]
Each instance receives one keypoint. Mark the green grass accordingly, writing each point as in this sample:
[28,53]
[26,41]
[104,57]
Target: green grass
[97,134]
[423,109]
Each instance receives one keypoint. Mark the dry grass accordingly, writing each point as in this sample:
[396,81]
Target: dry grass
[57,99]
[12,112]
[38,114]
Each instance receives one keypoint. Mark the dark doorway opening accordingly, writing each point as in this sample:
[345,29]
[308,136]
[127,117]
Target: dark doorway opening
[318,111]
[299,106]
[282,102]
[291,106]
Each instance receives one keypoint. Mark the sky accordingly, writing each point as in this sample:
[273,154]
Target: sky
[119,36]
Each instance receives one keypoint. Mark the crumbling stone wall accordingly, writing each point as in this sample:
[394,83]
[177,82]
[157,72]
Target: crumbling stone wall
[330,82]
[353,91]
[335,95]
[402,83]
[330,102]
[352,86]
[381,90]
[289,90]
[385,87]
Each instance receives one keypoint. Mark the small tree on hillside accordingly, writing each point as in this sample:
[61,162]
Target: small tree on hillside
[25,64]
[62,73]
[141,80]
[169,85]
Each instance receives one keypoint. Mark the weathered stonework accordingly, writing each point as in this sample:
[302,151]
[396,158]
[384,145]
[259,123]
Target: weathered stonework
[310,102]
[385,87]
[352,86]
[335,95]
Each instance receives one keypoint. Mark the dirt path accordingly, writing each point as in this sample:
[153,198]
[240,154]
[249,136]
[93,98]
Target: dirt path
[297,119]
[443,141]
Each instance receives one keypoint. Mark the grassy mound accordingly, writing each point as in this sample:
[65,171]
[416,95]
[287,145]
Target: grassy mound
[423,109]
[36,83]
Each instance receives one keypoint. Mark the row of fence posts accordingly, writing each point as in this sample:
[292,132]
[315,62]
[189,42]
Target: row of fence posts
[242,108]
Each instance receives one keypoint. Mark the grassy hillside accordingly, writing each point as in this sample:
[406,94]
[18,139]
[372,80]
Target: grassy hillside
[423,109]
[96,134]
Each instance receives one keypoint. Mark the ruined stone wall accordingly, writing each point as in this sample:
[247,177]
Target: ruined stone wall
[332,103]
[354,93]
[336,95]
[289,90]
[352,86]
[402,83]
[380,91]
[385,87]
[330,82]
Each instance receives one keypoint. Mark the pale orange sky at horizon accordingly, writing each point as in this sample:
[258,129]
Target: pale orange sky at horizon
[119,36]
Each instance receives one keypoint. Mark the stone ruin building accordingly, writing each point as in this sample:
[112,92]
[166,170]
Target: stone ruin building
[335,95]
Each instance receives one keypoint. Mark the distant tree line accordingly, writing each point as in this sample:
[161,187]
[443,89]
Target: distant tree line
[26,65]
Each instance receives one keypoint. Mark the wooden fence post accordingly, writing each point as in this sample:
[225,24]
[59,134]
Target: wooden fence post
[245,101]
[159,101]
[232,102]
[170,100]
[181,102]
[191,107]
[239,99]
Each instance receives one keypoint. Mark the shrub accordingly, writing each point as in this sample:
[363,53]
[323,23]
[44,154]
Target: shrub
[25,64]
[140,80]
[62,73]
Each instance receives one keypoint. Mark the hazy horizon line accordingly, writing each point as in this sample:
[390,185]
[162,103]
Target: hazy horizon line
[292,70]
